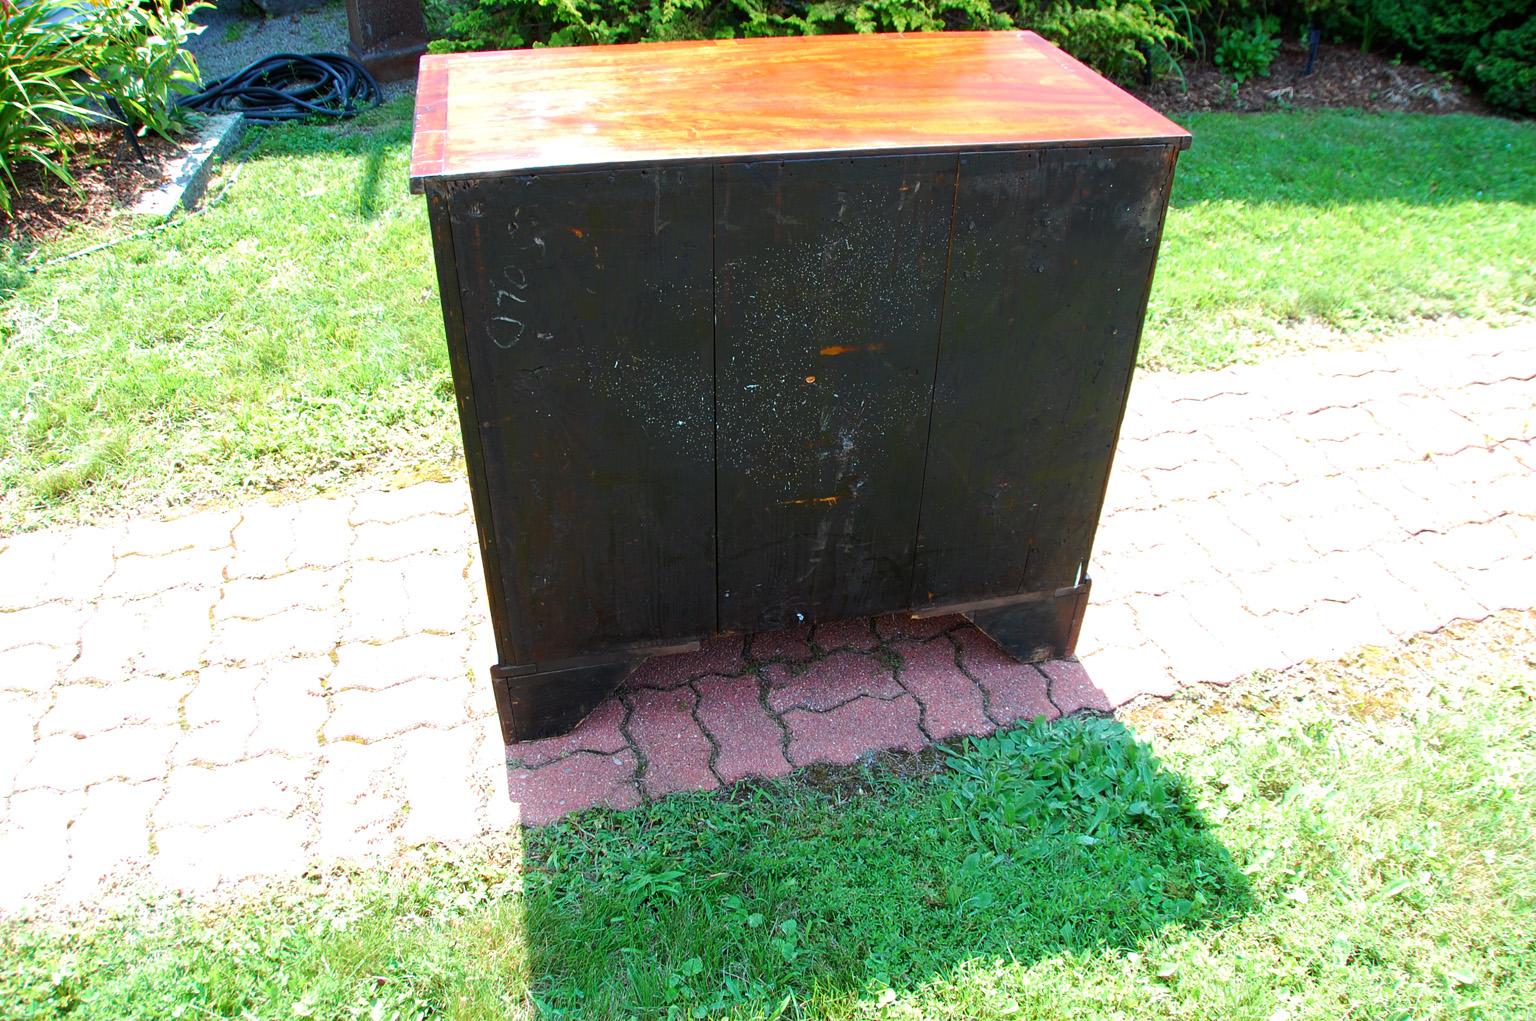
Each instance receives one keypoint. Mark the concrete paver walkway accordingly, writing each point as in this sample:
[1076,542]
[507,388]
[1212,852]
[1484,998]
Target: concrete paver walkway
[241,693]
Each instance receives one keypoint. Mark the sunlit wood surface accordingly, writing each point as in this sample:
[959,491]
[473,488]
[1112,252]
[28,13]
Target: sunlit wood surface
[482,114]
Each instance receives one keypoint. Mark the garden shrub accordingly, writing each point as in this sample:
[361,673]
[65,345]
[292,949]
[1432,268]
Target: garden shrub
[1491,43]
[1115,36]
[139,58]
[1506,67]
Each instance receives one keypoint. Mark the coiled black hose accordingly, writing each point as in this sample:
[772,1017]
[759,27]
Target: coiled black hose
[292,86]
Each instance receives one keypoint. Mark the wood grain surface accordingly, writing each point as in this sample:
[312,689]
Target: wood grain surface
[494,113]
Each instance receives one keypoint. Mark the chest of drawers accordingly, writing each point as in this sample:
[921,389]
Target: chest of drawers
[758,332]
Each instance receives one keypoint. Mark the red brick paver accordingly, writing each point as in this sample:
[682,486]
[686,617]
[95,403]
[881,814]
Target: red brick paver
[246,692]
[748,740]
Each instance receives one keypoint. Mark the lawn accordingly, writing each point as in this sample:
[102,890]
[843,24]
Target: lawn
[289,337]
[1347,840]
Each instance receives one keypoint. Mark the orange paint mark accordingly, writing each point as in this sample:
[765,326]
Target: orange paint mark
[833,350]
[577,231]
[810,379]
[806,501]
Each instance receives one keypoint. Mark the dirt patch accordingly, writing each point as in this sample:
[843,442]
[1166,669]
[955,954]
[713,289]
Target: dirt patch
[1342,77]
[108,176]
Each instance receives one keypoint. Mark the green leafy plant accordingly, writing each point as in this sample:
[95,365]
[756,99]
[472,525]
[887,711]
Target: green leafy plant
[1113,36]
[39,68]
[1087,782]
[1315,12]
[138,57]
[61,61]
[1246,51]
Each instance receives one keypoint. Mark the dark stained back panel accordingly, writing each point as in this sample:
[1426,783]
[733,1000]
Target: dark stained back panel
[586,302]
[1052,259]
[829,281]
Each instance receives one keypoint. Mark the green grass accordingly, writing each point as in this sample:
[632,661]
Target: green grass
[289,338]
[1297,228]
[1314,846]
[290,334]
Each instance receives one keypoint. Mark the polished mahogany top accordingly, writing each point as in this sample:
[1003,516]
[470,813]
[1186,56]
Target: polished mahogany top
[486,114]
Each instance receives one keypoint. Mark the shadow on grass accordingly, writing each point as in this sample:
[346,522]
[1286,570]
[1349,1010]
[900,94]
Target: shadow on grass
[373,136]
[368,187]
[1052,840]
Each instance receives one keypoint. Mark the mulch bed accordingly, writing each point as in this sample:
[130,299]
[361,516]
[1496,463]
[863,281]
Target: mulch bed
[107,175]
[1342,77]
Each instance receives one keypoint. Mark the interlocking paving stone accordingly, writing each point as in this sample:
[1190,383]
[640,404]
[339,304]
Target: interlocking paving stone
[1115,677]
[195,858]
[207,530]
[853,730]
[439,805]
[748,741]
[33,668]
[281,683]
[34,841]
[578,781]
[952,704]
[296,632]
[854,634]
[206,795]
[676,749]
[1071,688]
[110,836]
[135,752]
[1106,627]
[19,714]
[791,645]
[828,682]
[375,666]
[721,654]
[56,624]
[254,598]
[600,732]
[665,672]
[1015,691]
[361,715]
[426,533]
[904,625]
[81,709]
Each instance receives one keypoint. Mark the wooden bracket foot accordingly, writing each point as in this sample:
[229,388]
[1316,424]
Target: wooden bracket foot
[548,703]
[1037,627]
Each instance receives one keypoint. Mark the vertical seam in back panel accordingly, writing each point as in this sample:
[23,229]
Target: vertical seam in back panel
[933,388]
